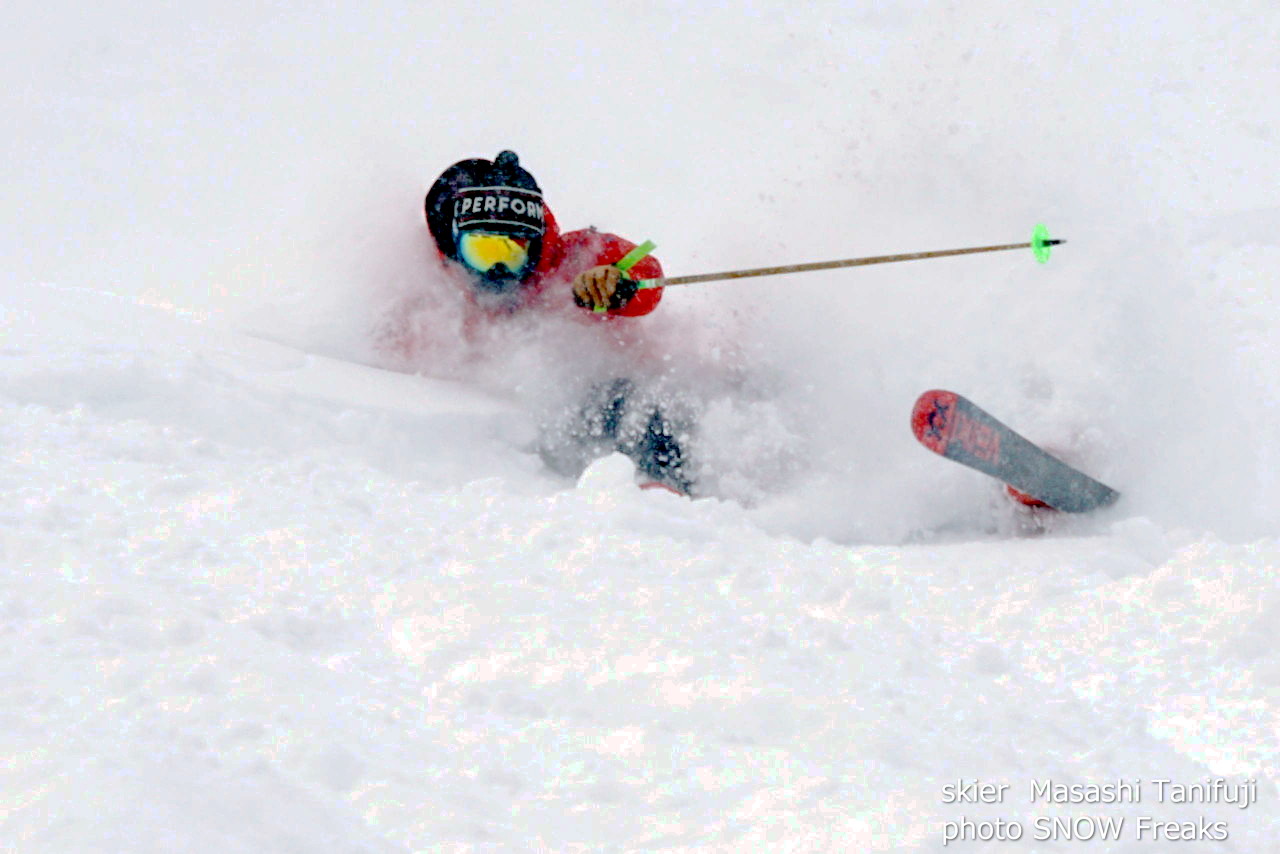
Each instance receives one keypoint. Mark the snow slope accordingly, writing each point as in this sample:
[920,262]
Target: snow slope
[260,600]
[265,589]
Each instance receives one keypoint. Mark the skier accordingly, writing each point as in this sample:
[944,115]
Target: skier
[489,222]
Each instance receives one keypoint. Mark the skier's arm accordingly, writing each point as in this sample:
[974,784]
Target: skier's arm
[605,286]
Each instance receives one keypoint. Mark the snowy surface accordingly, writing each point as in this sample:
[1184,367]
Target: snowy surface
[265,589]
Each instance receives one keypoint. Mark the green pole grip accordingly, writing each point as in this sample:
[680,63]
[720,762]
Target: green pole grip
[635,256]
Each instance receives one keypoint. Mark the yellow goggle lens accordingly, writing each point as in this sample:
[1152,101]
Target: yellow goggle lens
[483,251]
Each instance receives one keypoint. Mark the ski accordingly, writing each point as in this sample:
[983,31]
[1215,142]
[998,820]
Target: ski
[953,426]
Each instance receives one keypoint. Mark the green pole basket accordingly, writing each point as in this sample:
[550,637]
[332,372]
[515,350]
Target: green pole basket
[1040,243]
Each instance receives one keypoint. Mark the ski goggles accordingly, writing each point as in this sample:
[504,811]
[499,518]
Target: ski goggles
[482,251]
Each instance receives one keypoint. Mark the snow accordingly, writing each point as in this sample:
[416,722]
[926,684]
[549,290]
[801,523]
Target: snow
[265,588]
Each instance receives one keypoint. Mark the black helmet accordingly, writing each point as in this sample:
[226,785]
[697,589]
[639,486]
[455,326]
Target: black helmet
[495,197]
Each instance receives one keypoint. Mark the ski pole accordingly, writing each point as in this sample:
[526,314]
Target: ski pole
[1039,244]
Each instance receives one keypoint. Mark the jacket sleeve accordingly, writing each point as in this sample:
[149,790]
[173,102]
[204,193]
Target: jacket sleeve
[602,248]
[645,300]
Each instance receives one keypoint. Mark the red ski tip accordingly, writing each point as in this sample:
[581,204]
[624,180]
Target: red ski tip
[931,419]
[655,484]
[1023,498]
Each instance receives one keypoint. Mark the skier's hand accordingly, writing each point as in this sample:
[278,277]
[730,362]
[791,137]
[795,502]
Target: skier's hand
[602,288]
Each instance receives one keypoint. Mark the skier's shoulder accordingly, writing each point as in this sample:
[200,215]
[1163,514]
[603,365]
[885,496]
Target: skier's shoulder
[593,246]
[589,240]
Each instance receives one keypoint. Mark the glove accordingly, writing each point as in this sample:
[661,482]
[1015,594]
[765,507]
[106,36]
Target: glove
[603,288]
